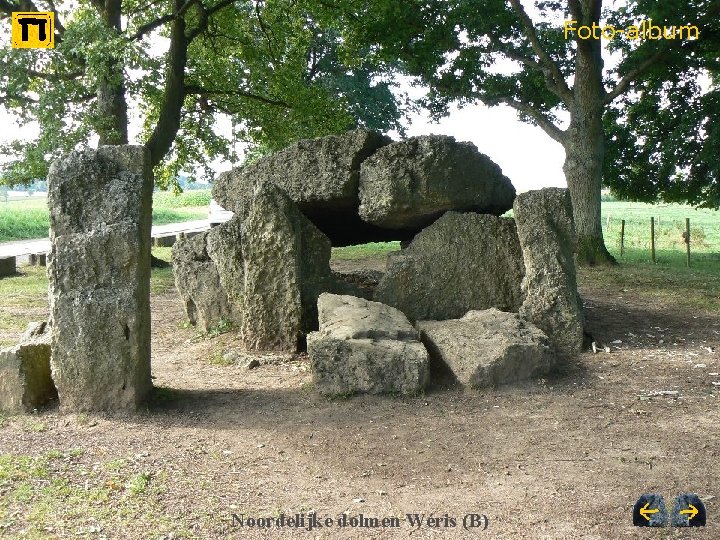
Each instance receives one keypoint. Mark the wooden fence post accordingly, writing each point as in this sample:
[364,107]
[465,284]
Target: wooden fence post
[652,238]
[687,240]
[622,237]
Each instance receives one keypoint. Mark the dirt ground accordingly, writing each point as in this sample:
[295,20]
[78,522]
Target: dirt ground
[564,457]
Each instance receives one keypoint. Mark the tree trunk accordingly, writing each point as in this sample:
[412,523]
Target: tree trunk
[111,104]
[168,123]
[585,145]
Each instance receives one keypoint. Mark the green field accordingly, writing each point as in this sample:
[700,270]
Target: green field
[24,219]
[669,226]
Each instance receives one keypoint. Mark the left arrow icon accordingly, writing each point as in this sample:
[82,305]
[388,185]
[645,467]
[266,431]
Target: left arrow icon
[650,511]
[646,513]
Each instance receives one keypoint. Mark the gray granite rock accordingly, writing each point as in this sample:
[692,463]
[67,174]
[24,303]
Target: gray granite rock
[547,235]
[410,183]
[461,262]
[487,348]
[198,282]
[286,267]
[320,175]
[25,379]
[367,347]
[100,217]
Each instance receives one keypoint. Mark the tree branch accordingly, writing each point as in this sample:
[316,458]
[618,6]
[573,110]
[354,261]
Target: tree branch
[205,15]
[547,126]
[168,124]
[69,76]
[553,76]
[194,89]
[631,76]
[152,25]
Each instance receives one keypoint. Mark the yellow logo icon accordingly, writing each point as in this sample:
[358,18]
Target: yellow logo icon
[33,30]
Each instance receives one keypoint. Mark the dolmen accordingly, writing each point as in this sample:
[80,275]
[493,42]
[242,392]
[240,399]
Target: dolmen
[488,298]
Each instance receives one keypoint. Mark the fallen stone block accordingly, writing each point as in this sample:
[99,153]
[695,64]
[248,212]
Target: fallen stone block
[25,378]
[462,262]
[365,346]
[410,183]
[487,348]
[547,235]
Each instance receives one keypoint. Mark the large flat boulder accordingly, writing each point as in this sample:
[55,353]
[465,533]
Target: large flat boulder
[365,346]
[25,378]
[410,183]
[99,271]
[197,280]
[487,348]
[547,235]
[286,267]
[320,175]
[462,262]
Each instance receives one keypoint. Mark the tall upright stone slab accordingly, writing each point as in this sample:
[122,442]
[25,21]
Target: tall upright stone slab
[546,229]
[286,267]
[100,218]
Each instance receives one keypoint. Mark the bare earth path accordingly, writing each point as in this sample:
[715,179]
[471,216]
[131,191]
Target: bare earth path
[560,458]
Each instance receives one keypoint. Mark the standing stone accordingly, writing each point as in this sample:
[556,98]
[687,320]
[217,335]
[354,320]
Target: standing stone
[198,282]
[462,262]
[100,217]
[25,380]
[487,348]
[224,246]
[365,346]
[286,267]
[409,184]
[547,234]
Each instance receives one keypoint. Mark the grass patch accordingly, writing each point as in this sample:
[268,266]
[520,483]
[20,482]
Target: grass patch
[48,497]
[669,226]
[371,250]
[24,297]
[162,280]
[694,288]
[25,219]
[27,289]
[217,359]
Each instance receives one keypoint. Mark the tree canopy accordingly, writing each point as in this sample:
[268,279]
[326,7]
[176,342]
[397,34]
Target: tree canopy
[541,63]
[173,66]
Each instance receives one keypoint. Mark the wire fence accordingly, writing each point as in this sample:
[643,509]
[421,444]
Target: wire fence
[656,234]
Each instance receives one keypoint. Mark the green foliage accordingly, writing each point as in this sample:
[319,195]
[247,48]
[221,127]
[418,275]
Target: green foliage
[223,326]
[664,137]
[662,140]
[272,68]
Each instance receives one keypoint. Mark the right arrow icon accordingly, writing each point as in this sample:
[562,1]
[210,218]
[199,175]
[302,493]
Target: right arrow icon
[688,511]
